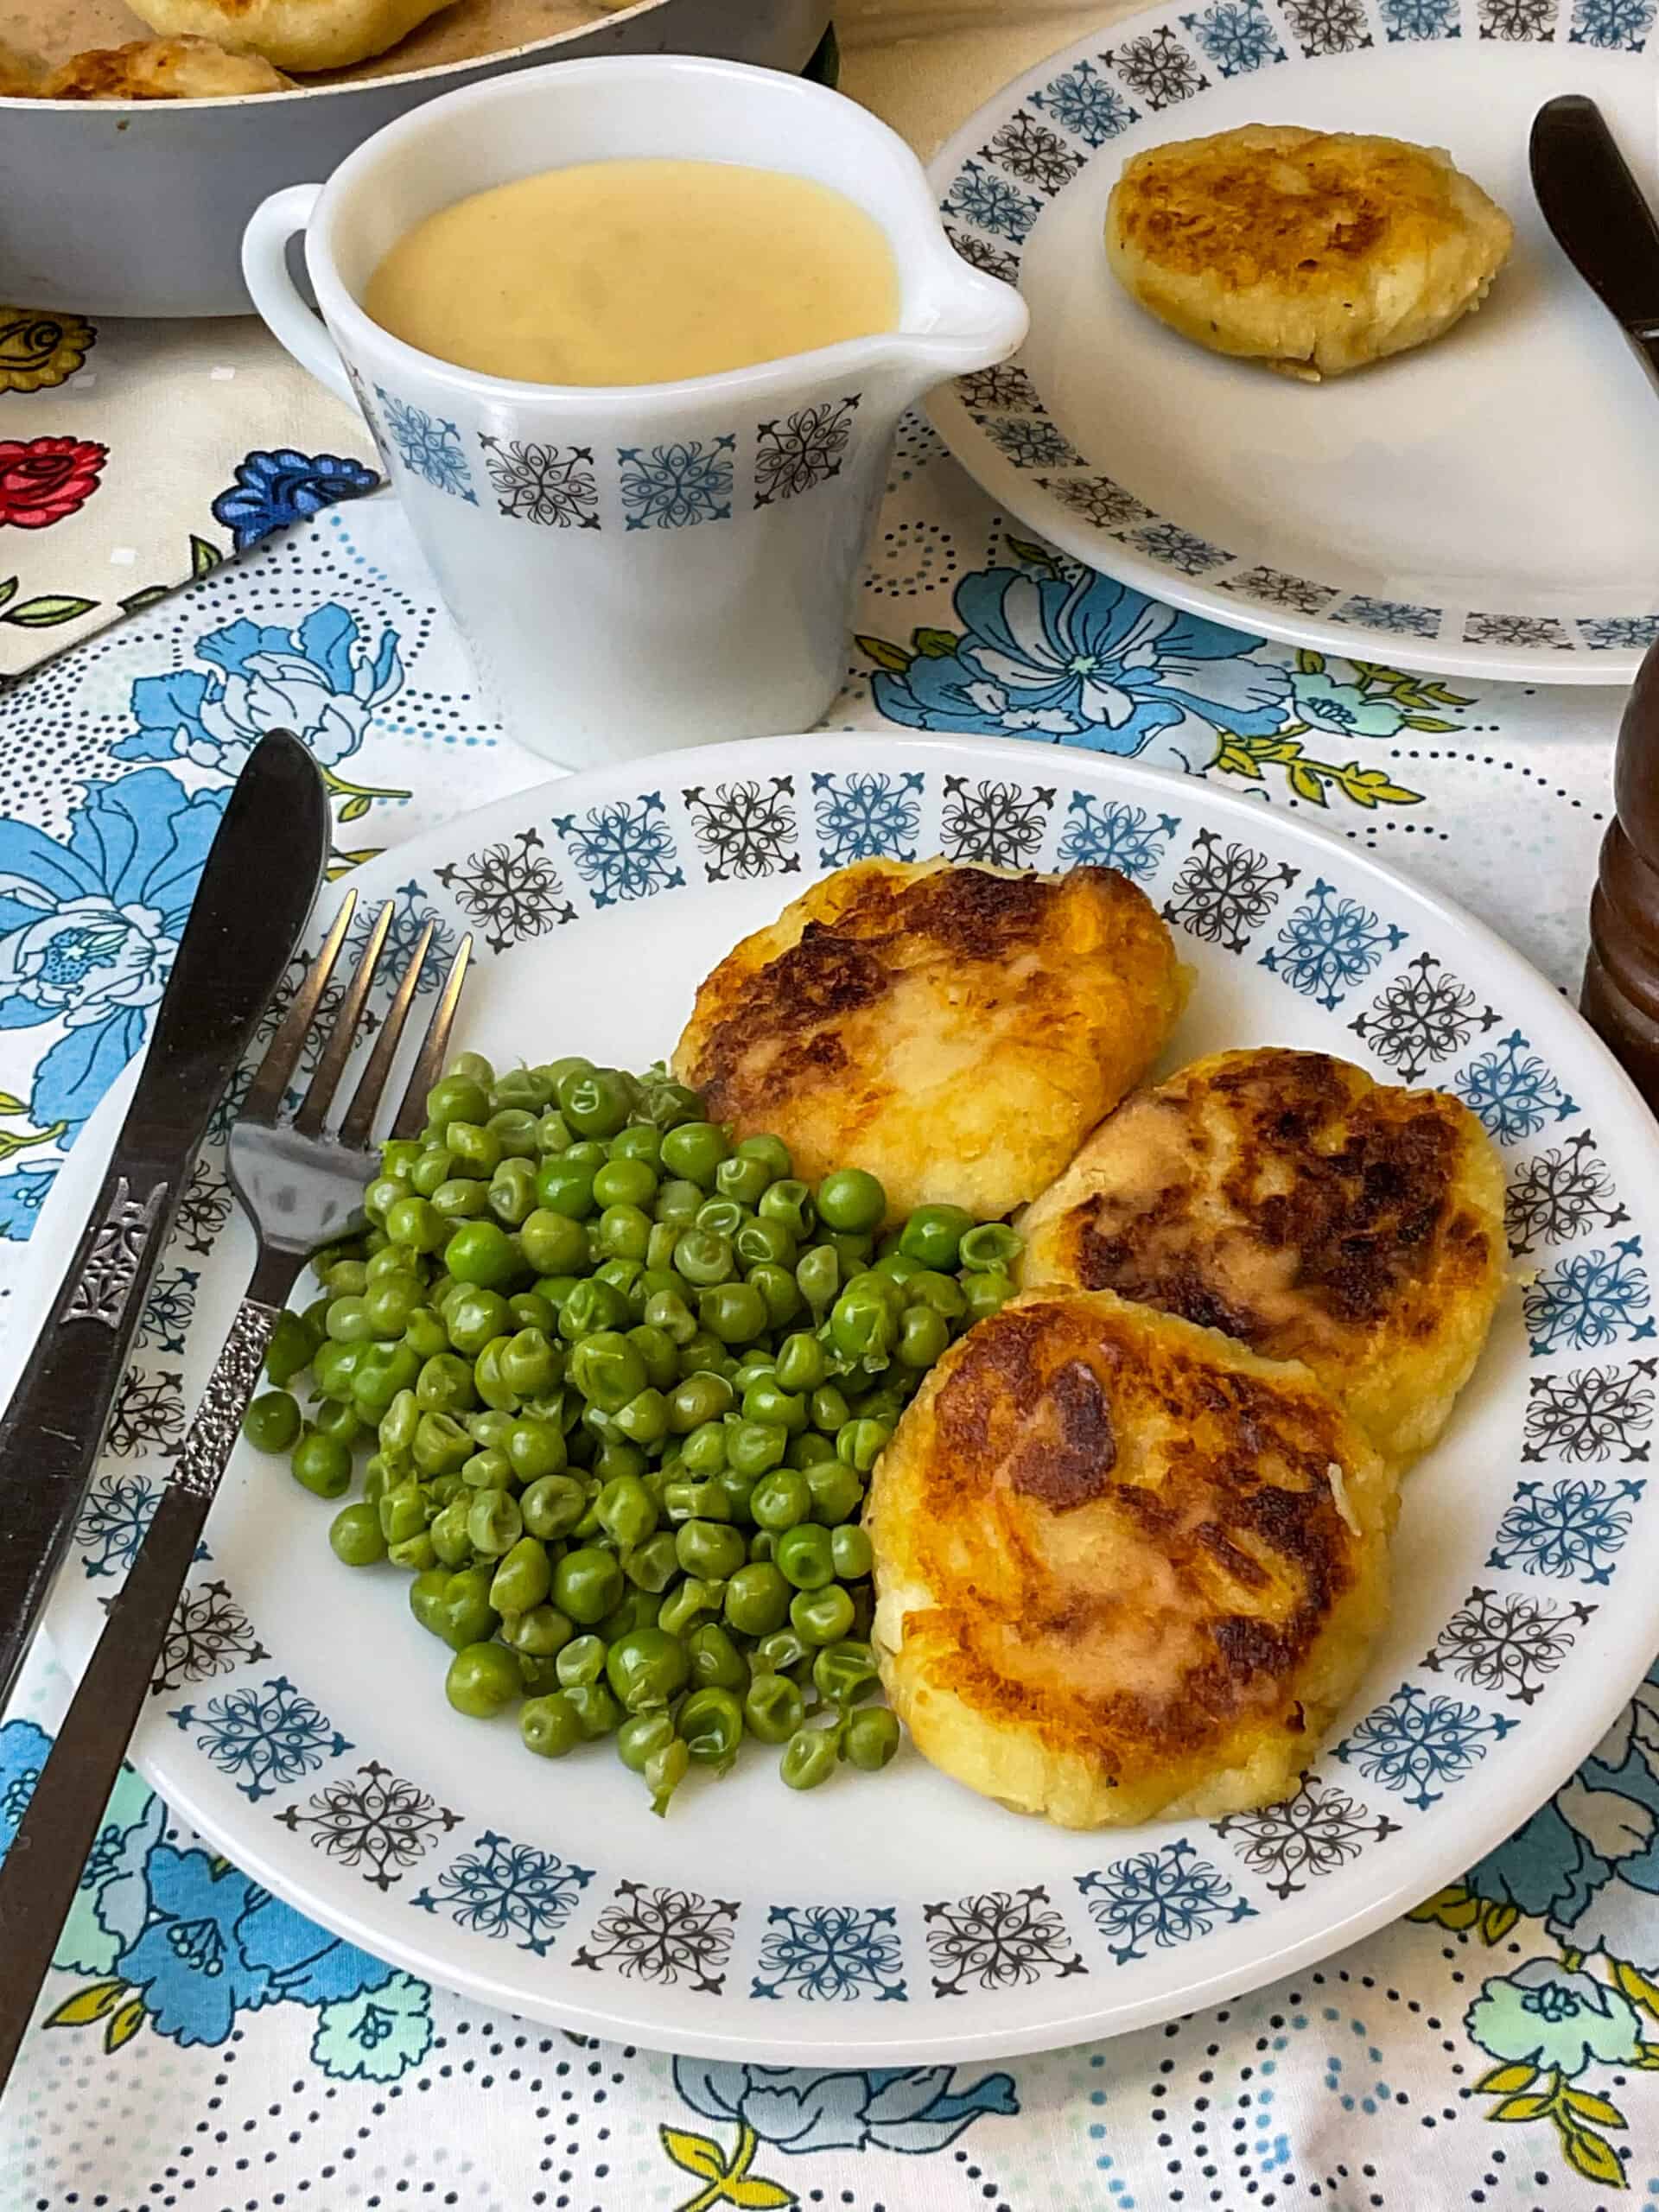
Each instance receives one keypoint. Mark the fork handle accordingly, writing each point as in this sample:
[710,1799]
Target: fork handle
[42,1869]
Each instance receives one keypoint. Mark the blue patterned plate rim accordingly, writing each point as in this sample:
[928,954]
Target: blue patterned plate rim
[1130,84]
[793,1931]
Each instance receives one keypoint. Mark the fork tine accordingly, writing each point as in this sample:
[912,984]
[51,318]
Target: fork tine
[411,1115]
[359,1114]
[331,1065]
[282,1057]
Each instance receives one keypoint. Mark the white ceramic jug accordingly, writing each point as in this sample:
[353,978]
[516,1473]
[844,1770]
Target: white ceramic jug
[634,566]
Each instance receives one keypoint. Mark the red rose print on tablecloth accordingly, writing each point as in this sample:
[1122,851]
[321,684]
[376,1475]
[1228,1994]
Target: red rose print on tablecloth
[43,479]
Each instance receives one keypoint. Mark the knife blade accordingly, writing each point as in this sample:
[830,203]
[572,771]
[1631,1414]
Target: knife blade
[260,876]
[1599,216]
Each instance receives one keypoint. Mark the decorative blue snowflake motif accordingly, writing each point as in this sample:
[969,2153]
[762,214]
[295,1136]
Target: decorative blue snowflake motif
[672,486]
[1236,35]
[1109,833]
[117,1511]
[1031,443]
[1178,548]
[1164,1896]
[411,910]
[1612,24]
[1418,19]
[622,851]
[499,1888]
[263,1735]
[991,203]
[1400,618]
[831,1951]
[1620,632]
[1589,1299]
[1330,943]
[1083,103]
[862,815]
[1570,1530]
[169,1309]
[1513,1091]
[1420,1740]
[428,448]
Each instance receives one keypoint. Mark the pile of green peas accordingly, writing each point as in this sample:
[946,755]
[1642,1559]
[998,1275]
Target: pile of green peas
[621,1382]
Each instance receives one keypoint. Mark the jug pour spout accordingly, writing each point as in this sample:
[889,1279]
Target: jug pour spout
[976,321]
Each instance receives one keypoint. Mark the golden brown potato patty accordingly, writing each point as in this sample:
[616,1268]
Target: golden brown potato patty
[1290,1200]
[1315,251]
[955,1030]
[163,69]
[1124,1567]
[295,34]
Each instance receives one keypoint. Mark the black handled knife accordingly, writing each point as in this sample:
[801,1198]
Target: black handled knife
[262,875]
[1600,220]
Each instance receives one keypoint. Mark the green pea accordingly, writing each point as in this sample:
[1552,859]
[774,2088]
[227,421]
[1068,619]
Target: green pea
[844,1672]
[445,1385]
[322,1465]
[451,1544]
[779,1292]
[640,1140]
[440,1445]
[481,1253]
[461,1199]
[550,1726]
[851,1201]
[781,1500]
[809,1757]
[702,1354]
[535,1448]
[565,1185]
[289,1352]
[474,1318]
[595,1101]
[415,1554]
[851,1550]
[272,1421]
[757,1599]
[552,1506]
[436,1166]
[651,1566]
[426,1598]
[677,1203]
[704,1256]
[933,1235]
[863,1322]
[524,1577]
[837,1492]
[993,1244]
[348,1321]
[597,1710]
[762,1544]
[743,1178]
[783,1652]
[807,1450]
[703,1452]
[512,1193]
[710,1724]
[384,1373]
[735,1313]
[712,1550]
[862,1443]
[483,1679]
[773,1708]
[587,1583]
[608,1370]
[829,1409]
[897,1268]
[754,1447]
[642,1736]
[582,1661]
[804,1556]
[818,1276]
[424,1333]
[592,1307]
[648,1667]
[513,1127]
[657,1350]
[617,1457]
[553,1244]
[801,1364]
[693,1150]
[627,1181]
[669,1104]
[738,1489]
[530,1364]
[355,1534]
[623,1232]
[763,1401]
[458,1097]
[466,1615]
[626,1512]
[552,1134]
[343,1277]
[724,1216]
[987,1291]
[700,1397]
[555,1071]
[871,1739]
[821,1616]
[476,1147]
[680,1609]
[494,1523]
[717,1662]
[923,1336]
[541,1632]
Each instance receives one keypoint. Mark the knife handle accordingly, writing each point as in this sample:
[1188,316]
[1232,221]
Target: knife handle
[52,1430]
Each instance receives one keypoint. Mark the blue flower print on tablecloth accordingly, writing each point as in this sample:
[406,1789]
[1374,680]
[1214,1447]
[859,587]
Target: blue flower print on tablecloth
[1343,710]
[22,1193]
[1093,662]
[274,489]
[1546,2025]
[88,928]
[320,679]
[794,2110]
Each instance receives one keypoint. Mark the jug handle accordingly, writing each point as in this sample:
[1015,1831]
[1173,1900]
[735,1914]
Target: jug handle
[265,271]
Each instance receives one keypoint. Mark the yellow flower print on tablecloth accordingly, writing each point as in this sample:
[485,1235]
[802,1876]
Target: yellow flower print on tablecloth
[39,349]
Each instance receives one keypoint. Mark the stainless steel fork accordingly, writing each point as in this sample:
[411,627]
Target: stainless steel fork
[302,1184]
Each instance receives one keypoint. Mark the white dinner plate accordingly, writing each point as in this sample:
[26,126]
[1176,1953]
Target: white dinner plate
[299,1721]
[1488,504]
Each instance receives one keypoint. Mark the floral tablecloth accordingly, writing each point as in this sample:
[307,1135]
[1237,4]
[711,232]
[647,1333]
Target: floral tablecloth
[201,2045]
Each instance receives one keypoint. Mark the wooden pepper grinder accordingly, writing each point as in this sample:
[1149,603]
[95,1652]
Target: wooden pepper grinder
[1620,999]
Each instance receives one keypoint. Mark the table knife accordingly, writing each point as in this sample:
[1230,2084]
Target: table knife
[1600,220]
[261,877]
